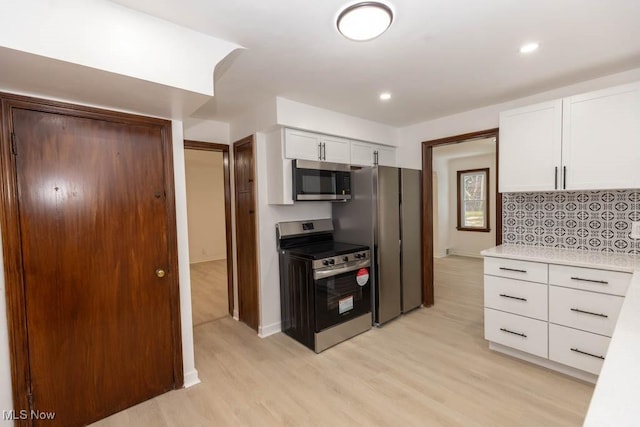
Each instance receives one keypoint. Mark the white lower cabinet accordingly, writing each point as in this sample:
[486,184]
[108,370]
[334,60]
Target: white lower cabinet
[562,313]
[519,332]
[578,349]
[583,310]
[515,296]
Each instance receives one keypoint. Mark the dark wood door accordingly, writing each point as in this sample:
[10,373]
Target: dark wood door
[248,310]
[93,223]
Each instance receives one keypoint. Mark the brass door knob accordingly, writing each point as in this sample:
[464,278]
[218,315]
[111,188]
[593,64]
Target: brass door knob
[160,272]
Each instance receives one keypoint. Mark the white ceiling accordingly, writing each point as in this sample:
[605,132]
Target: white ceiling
[437,58]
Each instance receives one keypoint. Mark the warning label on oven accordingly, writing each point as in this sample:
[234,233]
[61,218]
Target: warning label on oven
[362,276]
[345,304]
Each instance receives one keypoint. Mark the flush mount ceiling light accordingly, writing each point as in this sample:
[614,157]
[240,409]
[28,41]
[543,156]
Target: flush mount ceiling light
[529,47]
[385,96]
[365,20]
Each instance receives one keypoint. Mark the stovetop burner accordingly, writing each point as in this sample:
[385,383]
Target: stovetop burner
[313,240]
[326,250]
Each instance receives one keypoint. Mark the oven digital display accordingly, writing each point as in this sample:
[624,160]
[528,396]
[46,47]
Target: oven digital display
[307,226]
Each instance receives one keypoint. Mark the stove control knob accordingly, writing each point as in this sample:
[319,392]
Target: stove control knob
[325,262]
[332,261]
[359,256]
[345,258]
[363,255]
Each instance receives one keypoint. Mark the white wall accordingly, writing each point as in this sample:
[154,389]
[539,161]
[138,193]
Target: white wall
[410,137]
[206,131]
[106,36]
[268,216]
[303,116]
[205,205]
[186,318]
[470,243]
[440,207]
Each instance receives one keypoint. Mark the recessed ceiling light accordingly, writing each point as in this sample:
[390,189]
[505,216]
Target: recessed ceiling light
[529,47]
[385,96]
[365,20]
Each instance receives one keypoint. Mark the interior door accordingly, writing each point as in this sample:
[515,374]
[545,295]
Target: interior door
[246,241]
[97,272]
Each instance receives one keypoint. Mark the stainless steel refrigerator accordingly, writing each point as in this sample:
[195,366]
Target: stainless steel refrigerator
[384,214]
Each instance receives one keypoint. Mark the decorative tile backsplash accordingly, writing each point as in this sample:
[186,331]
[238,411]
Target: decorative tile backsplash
[593,220]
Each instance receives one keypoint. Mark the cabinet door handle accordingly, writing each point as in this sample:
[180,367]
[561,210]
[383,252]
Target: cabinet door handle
[580,279]
[375,157]
[587,354]
[319,150]
[513,269]
[324,151]
[577,310]
[564,177]
[513,333]
[556,179]
[509,296]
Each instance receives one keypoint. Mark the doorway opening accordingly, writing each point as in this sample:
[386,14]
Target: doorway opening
[462,207]
[209,221]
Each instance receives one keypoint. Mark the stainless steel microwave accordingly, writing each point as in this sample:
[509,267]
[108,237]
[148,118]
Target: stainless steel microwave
[321,181]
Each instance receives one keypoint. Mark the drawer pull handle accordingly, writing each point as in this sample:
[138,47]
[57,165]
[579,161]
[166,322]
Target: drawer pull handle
[514,333]
[589,312]
[602,282]
[513,269]
[509,296]
[587,354]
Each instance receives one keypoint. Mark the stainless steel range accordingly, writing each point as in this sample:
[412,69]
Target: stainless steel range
[325,291]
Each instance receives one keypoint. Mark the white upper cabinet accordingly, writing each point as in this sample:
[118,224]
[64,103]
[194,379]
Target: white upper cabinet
[385,156]
[601,139]
[335,149]
[530,140]
[301,145]
[584,142]
[365,154]
[312,146]
[361,153]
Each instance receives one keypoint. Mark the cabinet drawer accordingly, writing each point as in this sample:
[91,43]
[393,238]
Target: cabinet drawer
[515,331]
[590,279]
[579,349]
[514,269]
[516,296]
[584,310]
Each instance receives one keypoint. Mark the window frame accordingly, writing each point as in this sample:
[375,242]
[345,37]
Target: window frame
[460,227]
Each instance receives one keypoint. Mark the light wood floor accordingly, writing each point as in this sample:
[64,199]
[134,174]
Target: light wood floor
[209,291]
[428,368]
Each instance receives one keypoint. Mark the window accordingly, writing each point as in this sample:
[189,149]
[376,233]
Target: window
[473,200]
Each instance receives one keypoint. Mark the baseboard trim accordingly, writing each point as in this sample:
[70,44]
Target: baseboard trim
[546,363]
[207,260]
[265,331]
[191,378]
[465,254]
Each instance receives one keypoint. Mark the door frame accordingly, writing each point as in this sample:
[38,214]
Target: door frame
[427,201]
[247,140]
[12,246]
[224,149]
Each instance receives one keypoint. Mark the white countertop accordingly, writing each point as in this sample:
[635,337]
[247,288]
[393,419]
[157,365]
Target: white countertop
[589,259]
[615,400]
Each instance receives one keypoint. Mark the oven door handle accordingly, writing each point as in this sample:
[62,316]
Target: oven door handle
[323,273]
